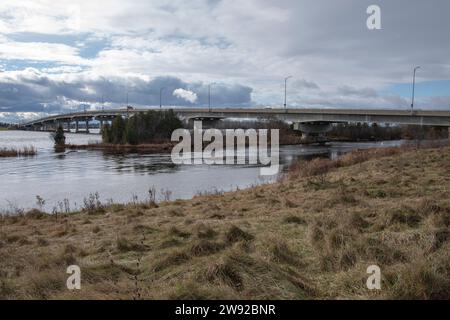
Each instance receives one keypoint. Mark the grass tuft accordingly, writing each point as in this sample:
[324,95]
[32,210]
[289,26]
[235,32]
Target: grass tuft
[235,234]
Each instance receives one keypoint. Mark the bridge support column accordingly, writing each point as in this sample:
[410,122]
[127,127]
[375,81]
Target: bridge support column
[207,123]
[77,128]
[68,126]
[313,132]
[87,126]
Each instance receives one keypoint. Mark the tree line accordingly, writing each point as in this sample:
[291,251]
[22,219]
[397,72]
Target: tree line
[144,127]
[364,131]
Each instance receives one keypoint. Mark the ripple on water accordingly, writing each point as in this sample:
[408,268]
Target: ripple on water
[74,175]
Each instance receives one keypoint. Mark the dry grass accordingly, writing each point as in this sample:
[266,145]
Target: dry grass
[310,236]
[18,152]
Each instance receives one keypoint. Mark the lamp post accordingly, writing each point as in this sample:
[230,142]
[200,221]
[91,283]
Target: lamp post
[413,88]
[285,91]
[209,96]
[160,96]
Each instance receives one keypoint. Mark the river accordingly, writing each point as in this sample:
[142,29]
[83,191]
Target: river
[73,175]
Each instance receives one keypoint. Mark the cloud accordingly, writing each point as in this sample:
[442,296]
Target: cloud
[59,55]
[305,84]
[31,90]
[359,92]
[187,95]
[39,51]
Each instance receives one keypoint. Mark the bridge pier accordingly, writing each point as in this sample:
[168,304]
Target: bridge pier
[313,131]
[87,125]
[77,128]
[207,123]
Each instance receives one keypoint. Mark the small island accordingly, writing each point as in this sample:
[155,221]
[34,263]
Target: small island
[145,132]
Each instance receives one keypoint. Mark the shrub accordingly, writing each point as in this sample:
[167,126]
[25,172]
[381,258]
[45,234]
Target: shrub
[59,137]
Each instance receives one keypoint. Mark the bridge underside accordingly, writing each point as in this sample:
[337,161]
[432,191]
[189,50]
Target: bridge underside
[313,131]
[315,126]
[77,124]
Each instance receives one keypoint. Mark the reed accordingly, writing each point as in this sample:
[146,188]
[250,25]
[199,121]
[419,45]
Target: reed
[18,152]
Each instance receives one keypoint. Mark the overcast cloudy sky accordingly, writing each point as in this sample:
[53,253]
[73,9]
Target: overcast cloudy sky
[61,56]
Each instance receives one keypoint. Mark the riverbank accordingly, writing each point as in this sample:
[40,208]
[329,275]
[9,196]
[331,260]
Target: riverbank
[165,147]
[312,235]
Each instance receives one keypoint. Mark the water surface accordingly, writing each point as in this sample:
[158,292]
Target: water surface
[73,175]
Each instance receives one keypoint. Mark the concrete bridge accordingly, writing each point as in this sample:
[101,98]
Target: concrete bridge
[308,121]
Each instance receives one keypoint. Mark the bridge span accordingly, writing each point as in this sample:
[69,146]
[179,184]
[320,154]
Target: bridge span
[309,121]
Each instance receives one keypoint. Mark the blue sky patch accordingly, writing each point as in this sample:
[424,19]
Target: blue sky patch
[423,89]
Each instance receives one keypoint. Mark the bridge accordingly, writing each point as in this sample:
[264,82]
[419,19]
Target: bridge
[308,121]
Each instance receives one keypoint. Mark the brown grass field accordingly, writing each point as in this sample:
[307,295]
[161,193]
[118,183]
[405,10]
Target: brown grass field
[312,235]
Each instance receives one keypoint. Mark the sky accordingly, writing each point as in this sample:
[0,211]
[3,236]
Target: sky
[65,56]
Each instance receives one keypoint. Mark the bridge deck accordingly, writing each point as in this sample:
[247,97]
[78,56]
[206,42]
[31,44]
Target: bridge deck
[424,117]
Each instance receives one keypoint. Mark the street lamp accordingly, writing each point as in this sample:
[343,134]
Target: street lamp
[285,90]
[160,97]
[413,88]
[209,96]
[103,95]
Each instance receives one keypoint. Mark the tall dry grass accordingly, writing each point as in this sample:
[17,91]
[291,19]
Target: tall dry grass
[18,152]
[286,240]
[322,166]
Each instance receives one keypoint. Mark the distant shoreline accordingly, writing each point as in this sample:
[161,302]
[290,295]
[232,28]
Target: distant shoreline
[122,148]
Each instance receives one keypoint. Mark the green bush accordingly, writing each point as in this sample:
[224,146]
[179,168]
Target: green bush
[59,137]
